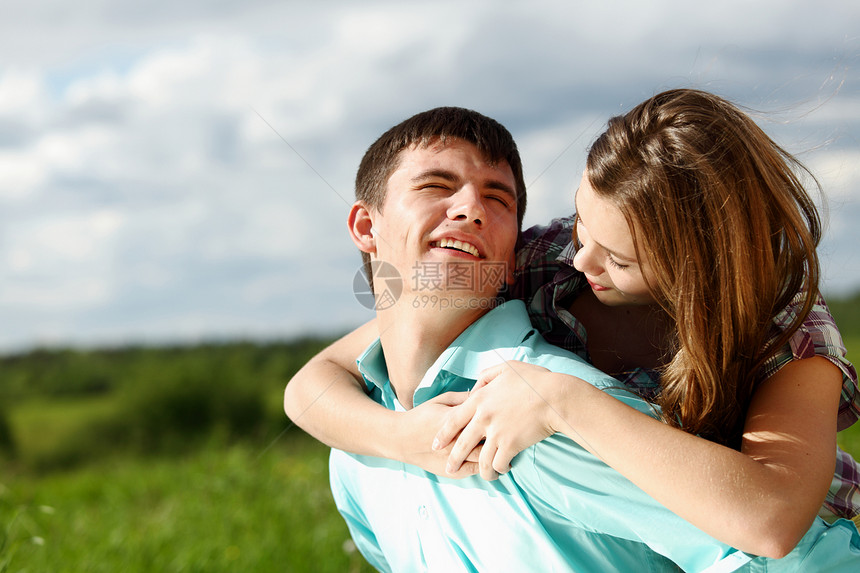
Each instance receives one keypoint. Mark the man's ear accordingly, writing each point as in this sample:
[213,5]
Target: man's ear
[360,223]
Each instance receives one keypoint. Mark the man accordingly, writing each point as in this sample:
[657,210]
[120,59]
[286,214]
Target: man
[441,199]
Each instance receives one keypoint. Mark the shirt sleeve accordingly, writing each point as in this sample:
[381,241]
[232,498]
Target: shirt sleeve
[574,489]
[818,336]
[571,488]
[356,520]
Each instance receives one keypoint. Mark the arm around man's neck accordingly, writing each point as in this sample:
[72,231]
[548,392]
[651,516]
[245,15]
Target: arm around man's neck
[327,399]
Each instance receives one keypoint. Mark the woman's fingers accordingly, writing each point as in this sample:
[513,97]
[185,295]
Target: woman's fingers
[485,464]
[470,438]
[495,460]
[502,459]
[454,423]
[488,374]
[451,398]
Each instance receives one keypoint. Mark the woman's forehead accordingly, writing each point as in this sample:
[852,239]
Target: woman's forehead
[606,224]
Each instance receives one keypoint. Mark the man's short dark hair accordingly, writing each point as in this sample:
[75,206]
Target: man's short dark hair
[437,125]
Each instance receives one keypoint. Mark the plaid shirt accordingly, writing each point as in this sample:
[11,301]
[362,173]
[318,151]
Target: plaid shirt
[548,283]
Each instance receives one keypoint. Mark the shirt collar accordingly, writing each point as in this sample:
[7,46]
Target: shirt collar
[489,341]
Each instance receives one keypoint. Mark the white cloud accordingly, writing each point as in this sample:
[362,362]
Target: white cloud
[20,173]
[838,171]
[22,92]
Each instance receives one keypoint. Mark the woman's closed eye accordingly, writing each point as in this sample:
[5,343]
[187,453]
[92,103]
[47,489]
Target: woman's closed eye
[615,263]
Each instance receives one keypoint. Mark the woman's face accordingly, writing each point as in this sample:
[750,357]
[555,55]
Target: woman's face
[606,255]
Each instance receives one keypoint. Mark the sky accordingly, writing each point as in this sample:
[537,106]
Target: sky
[177,172]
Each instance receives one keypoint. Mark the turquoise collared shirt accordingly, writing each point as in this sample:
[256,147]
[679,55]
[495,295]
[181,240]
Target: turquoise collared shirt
[558,509]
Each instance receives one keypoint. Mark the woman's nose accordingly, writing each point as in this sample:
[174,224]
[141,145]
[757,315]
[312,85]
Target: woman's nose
[585,261]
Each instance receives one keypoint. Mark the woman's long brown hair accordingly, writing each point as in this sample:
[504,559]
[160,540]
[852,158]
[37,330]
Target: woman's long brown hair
[729,230]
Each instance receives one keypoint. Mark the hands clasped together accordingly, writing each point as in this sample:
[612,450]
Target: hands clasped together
[481,431]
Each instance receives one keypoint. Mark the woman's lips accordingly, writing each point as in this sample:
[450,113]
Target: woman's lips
[596,286]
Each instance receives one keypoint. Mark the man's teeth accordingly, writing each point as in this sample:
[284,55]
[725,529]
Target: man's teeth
[459,245]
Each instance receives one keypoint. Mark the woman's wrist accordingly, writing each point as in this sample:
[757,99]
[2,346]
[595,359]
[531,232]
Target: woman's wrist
[390,435]
[563,395]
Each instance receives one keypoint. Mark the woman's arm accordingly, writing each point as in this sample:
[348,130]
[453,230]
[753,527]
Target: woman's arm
[326,398]
[760,500]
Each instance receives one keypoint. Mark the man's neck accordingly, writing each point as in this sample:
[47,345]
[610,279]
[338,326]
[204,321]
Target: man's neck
[413,338]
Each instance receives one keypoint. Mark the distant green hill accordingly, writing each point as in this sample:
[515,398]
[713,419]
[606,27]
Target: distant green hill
[74,372]
[846,311]
[62,407]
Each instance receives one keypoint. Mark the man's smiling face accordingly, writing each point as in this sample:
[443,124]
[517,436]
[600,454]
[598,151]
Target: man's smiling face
[446,204]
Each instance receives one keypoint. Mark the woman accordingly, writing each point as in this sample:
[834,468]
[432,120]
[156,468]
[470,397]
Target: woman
[695,283]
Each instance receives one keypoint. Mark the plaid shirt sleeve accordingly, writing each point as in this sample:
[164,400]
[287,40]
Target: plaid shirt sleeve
[818,336]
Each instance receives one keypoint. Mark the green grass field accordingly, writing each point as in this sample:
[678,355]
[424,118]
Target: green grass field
[241,508]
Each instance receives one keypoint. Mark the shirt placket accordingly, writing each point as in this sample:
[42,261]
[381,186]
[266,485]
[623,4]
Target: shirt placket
[431,536]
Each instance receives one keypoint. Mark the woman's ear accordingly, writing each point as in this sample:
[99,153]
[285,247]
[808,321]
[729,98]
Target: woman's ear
[360,223]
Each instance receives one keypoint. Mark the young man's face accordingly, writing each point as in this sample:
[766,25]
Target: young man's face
[449,221]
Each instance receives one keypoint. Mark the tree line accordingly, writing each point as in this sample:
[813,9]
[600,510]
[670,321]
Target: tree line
[162,398]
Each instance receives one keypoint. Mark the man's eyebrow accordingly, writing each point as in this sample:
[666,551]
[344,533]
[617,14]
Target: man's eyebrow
[501,186]
[454,178]
[436,174]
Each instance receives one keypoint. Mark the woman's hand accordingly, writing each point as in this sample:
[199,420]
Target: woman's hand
[418,428]
[509,415]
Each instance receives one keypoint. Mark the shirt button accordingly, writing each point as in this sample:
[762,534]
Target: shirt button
[423,513]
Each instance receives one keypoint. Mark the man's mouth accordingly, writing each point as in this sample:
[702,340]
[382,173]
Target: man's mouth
[457,246]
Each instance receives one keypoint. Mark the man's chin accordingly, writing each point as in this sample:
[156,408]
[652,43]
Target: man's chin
[457,300]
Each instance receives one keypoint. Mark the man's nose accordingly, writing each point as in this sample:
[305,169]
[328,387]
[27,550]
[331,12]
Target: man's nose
[468,205]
